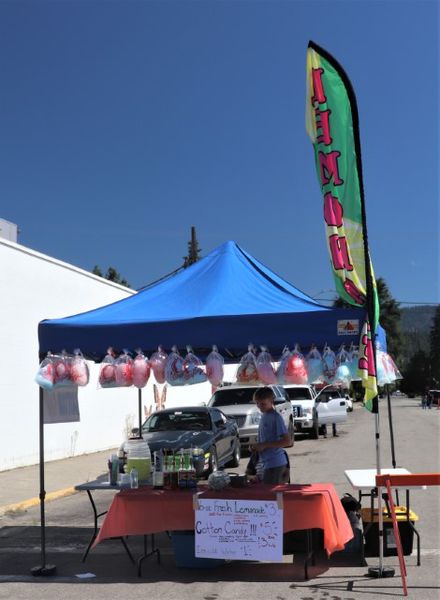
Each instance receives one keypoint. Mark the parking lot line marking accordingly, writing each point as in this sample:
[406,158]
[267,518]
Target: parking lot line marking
[26,504]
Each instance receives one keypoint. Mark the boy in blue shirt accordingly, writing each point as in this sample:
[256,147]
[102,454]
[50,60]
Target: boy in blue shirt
[272,438]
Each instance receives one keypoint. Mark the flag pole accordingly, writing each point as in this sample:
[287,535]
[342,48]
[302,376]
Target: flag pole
[370,302]
[380,571]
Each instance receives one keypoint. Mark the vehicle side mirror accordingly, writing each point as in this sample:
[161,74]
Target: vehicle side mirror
[135,431]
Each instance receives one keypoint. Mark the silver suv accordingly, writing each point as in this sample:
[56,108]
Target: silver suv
[237,401]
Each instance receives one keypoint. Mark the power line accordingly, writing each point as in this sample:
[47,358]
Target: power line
[398,301]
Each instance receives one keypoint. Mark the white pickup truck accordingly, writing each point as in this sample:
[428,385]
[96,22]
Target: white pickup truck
[312,410]
[237,401]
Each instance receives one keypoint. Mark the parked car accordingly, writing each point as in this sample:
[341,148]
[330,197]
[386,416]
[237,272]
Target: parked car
[302,398]
[237,401]
[194,427]
[348,402]
[331,405]
[312,411]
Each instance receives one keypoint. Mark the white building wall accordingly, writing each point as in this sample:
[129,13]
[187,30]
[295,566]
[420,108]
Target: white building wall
[36,287]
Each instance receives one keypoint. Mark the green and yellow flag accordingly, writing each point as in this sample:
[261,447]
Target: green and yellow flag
[333,126]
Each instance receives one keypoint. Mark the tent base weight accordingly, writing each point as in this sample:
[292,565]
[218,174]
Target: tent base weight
[379,573]
[46,571]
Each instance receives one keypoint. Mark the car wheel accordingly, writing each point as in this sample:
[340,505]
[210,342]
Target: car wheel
[236,455]
[213,462]
[314,432]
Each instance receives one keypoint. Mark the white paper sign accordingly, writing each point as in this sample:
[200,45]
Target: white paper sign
[239,529]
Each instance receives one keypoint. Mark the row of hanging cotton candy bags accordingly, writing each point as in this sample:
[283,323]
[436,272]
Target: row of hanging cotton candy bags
[172,368]
[254,368]
[295,368]
[62,370]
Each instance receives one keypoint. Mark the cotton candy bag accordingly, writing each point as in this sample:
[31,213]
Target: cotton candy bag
[45,373]
[124,370]
[353,363]
[157,362]
[79,370]
[62,364]
[107,372]
[342,374]
[329,364]
[141,369]
[174,368]
[214,367]
[314,366]
[265,370]
[193,368]
[247,369]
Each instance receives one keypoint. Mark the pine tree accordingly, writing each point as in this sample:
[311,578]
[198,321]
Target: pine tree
[194,250]
[111,275]
[434,354]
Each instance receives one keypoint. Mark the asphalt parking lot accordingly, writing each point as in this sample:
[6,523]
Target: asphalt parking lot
[69,521]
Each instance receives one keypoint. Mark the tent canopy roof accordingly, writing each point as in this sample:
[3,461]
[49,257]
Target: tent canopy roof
[227,298]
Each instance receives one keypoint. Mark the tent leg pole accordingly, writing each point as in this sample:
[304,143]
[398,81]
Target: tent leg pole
[43,569]
[140,410]
[390,423]
[379,571]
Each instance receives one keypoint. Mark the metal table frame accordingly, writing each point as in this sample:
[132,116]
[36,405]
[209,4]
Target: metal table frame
[370,475]
[97,485]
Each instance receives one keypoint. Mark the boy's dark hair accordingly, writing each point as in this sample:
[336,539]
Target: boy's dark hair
[264,392]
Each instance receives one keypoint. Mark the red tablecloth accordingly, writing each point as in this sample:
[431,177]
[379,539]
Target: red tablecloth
[145,510]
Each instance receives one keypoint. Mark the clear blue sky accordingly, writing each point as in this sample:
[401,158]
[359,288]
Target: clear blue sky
[124,123]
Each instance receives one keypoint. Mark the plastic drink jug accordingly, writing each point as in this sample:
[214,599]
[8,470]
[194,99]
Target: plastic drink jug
[139,458]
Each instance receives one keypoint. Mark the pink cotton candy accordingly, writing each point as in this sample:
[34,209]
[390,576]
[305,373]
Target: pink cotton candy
[79,373]
[265,370]
[107,375]
[141,371]
[295,369]
[157,363]
[247,369]
[214,367]
[124,374]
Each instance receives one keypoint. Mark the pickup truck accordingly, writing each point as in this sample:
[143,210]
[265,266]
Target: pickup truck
[237,401]
[311,410]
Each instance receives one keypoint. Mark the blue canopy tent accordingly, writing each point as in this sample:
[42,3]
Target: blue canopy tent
[228,298]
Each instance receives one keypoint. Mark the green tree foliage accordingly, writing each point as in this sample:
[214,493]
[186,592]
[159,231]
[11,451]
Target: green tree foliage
[416,374]
[434,354]
[194,250]
[389,318]
[111,274]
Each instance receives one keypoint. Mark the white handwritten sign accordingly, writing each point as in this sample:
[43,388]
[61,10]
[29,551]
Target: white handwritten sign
[239,529]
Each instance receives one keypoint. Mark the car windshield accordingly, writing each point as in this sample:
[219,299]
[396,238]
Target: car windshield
[178,421]
[327,395]
[298,394]
[226,397]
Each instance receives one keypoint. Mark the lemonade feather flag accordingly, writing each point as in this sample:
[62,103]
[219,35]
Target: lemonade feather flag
[333,126]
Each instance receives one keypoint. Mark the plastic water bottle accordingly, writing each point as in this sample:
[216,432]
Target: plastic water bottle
[134,480]
[158,473]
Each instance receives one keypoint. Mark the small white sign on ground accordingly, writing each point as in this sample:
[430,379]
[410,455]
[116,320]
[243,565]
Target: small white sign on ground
[239,529]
